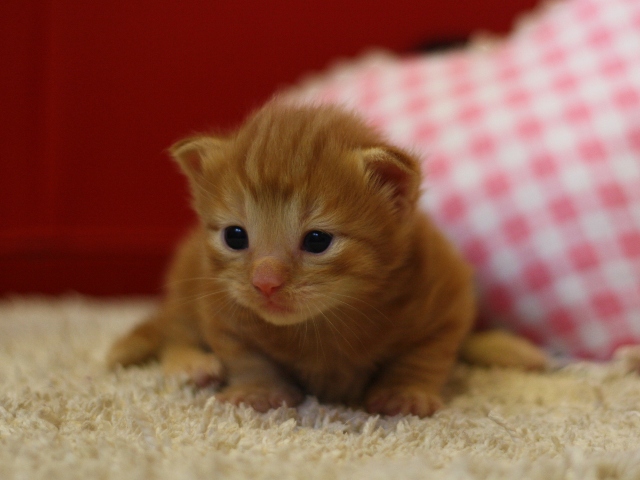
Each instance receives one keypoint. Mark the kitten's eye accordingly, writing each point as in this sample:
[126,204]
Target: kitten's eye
[316,241]
[236,237]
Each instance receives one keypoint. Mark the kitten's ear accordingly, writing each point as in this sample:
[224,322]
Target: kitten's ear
[191,153]
[396,171]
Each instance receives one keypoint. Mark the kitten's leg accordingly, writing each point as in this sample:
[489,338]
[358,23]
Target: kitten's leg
[412,383]
[201,367]
[257,382]
[161,337]
[139,345]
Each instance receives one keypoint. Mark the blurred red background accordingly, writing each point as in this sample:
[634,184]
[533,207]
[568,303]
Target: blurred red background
[92,94]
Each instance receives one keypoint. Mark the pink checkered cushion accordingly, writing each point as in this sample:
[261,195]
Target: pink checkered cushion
[532,158]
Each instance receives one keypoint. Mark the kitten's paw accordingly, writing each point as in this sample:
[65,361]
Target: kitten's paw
[201,368]
[261,398]
[129,350]
[629,357]
[394,401]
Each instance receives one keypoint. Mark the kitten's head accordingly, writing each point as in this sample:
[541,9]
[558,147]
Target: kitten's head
[306,209]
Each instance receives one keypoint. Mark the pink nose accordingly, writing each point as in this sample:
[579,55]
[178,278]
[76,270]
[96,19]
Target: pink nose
[268,276]
[267,287]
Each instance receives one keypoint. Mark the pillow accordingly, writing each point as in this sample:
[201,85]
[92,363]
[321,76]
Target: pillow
[532,165]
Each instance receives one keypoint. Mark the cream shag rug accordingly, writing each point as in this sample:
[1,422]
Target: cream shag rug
[62,415]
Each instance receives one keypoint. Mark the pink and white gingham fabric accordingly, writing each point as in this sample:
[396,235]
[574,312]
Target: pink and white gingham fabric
[532,166]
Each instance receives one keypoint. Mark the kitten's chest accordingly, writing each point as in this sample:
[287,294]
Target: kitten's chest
[319,344]
[333,364]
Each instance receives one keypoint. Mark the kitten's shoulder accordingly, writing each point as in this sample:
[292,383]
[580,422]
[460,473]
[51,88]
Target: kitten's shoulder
[189,262]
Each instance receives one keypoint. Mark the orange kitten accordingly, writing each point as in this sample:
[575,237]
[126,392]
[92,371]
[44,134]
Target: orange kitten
[312,271]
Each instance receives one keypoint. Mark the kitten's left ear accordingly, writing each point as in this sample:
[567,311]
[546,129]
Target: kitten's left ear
[192,153]
[395,171]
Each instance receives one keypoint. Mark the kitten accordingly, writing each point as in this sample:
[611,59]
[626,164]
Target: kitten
[312,271]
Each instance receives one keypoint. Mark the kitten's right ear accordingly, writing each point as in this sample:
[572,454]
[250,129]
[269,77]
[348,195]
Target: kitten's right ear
[192,153]
[395,171]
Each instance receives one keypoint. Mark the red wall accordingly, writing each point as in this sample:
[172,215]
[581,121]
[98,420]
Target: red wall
[92,93]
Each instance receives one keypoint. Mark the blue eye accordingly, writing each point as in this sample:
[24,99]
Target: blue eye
[316,241]
[236,237]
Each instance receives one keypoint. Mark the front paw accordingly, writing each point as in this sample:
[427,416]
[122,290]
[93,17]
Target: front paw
[404,401]
[201,368]
[261,397]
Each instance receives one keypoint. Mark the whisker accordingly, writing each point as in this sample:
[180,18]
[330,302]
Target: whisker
[190,279]
[199,296]
[354,308]
[297,335]
[319,344]
[337,330]
[358,335]
[334,330]
[360,300]
[347,305]
[301,334]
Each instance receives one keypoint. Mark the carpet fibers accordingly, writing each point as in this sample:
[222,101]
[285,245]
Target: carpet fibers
[62,415]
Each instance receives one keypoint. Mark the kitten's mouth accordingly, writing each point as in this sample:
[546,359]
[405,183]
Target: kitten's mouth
[274,307]
[279,313]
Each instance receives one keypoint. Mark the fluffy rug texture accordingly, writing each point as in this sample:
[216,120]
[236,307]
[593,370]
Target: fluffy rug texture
[63,415]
